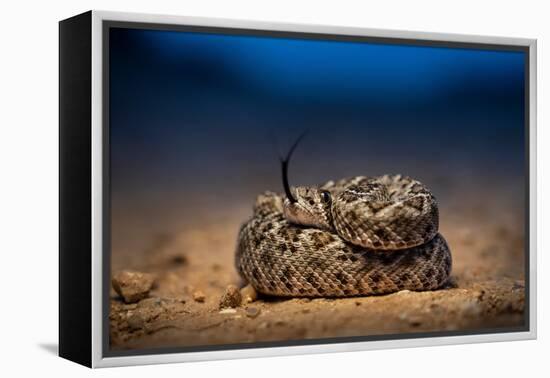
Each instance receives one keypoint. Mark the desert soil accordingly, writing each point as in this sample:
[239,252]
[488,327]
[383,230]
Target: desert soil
[193,265]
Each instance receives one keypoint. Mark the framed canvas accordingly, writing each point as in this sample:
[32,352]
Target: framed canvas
[235,188]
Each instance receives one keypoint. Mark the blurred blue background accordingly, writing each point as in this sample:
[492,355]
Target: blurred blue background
[199,118]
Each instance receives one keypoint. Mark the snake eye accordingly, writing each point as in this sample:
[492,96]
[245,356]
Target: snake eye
[325,196]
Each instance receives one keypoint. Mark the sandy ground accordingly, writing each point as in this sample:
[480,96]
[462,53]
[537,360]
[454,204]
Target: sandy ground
[486,290]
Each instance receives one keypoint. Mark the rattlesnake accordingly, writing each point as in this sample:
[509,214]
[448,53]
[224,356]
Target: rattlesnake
[357,236]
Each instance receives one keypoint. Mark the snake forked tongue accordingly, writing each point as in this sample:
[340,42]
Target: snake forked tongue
[284,166]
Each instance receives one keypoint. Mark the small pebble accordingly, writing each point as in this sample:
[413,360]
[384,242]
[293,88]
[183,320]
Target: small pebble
[416,322]
[249,294]
[135,322]
[132,286]
[199,296]
[479,294]
[231,297]
[228,311]
[179,259]
[150,302]
[252,312]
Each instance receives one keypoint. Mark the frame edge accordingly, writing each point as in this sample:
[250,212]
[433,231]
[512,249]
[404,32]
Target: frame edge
[75,274]
[98,360]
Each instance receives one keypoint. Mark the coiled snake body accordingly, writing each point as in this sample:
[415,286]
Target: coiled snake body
[358,236]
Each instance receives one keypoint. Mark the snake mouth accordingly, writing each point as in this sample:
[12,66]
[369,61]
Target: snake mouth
[297,213]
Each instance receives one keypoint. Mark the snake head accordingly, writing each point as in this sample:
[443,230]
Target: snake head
[309,207]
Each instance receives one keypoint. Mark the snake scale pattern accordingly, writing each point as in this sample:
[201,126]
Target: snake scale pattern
[354,237]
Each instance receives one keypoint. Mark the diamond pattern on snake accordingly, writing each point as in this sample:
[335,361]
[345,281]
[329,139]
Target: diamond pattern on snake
[353,237]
